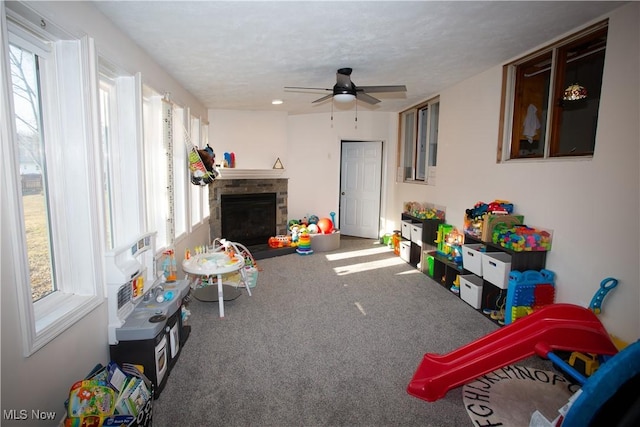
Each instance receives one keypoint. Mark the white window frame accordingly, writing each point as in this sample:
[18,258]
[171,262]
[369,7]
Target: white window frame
[196,191]
[155,168]
[418,143]
[69,92]
[180,173]
[124,153]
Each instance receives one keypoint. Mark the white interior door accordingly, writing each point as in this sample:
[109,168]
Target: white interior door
[360,181]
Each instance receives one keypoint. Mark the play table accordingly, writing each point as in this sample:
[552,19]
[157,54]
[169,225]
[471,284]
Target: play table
[212,265]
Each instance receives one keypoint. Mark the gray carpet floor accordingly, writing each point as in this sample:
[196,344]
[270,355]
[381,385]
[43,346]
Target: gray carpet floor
[328,339]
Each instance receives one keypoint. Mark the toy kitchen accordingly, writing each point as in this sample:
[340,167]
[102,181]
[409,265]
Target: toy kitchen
[146,310]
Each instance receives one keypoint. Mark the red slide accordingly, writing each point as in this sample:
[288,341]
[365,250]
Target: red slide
[555,327]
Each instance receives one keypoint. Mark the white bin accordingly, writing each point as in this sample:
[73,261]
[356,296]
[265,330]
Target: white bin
[472,258]
[406,230]
[405,250]
[496,267]
[416,234]
[471,290]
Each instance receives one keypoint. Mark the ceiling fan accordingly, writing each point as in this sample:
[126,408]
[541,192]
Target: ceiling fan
[345,90]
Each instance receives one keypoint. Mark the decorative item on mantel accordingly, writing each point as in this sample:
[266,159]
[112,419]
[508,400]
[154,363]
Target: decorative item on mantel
[278,164]
[230,160]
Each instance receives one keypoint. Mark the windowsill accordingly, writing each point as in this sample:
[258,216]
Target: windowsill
[234,173]
[548,159]
[56,313]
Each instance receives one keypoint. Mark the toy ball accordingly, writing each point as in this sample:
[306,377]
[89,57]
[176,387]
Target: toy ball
[325,225]
[313,228]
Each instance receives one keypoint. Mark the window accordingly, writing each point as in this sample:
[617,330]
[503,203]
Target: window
[168,190]
[48,162]
[120,133]
[419,142]
[155,161]
[180,171]
[106,120]
[35,206]
[552,97]
[199,193]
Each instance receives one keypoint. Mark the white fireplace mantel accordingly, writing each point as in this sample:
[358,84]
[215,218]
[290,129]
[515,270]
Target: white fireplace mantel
[235,173]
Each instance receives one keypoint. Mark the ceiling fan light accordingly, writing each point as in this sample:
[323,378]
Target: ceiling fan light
[344,97]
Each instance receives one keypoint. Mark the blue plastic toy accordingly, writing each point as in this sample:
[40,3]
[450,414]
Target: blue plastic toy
[605,286]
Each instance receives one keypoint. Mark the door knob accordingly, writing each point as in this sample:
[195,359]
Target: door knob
[342,193]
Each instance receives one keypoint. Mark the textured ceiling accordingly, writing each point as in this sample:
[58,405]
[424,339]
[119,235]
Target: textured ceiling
[240,55]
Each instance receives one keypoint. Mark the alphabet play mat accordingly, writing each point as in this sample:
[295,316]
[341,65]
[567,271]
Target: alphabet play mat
[509,396]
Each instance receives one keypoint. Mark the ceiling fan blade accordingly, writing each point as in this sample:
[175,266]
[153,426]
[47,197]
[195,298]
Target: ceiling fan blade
[324,98]
[380,89]
[367,98]
[307,88]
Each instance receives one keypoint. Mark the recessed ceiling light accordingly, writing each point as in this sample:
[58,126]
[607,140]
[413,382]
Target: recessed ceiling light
[276,101]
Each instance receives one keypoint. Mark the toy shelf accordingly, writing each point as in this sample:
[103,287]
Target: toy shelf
[445,271]
[520,261]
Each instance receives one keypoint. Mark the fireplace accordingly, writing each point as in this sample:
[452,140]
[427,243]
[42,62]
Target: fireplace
[249,219]
[231,194]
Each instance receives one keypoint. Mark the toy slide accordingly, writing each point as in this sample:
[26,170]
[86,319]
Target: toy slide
[554,327]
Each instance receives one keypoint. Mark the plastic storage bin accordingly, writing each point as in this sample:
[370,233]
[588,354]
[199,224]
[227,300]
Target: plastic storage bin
[471,290]
[496,267]
[405,251]
[472,258]
[416,234]
[406,230]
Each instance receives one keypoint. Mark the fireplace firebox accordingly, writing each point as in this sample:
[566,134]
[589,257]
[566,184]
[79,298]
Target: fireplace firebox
[249,219]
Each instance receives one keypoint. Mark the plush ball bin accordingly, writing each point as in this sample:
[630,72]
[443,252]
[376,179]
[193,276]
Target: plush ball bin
[325,242]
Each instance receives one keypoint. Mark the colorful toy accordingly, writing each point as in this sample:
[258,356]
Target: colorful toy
[528,291]
[455,286]
[169,266]
[475,218]
[610,394]
[304,244]
[202,165]
[279,241]
[333,217]
[591,362]
[325,225]
[554,327]
[605,286]
[522,238]
[424,211]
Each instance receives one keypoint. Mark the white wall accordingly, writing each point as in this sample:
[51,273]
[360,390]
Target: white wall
[589,204]
[593,206]
[42,381]
[308,146]
[258,138]
[314,143]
